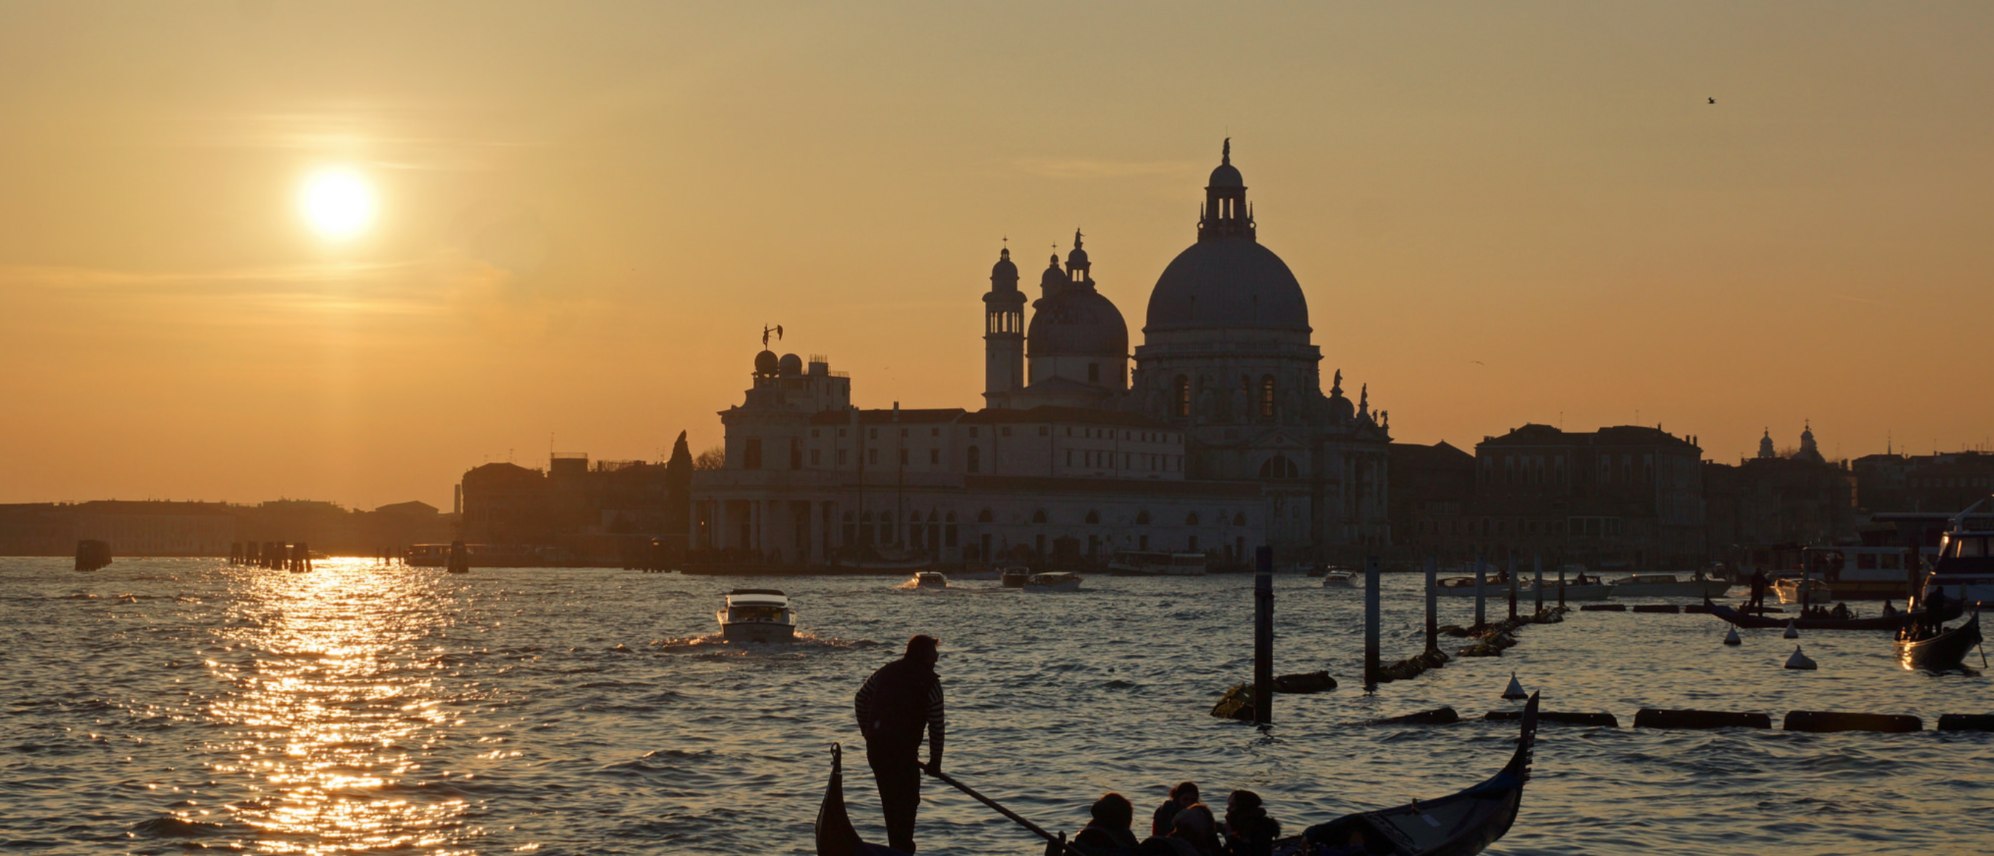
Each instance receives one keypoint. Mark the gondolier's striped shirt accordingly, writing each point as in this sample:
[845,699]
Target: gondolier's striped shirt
[863,704]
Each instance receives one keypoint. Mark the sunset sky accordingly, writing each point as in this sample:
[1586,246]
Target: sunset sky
[583,215]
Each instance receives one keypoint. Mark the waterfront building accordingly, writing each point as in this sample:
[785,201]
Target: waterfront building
[1622,495]
[1214,436]
[578,512]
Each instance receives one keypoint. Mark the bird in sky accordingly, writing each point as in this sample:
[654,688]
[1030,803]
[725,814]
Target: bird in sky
[1713,100]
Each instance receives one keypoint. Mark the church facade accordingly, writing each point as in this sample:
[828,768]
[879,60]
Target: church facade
[1213,436]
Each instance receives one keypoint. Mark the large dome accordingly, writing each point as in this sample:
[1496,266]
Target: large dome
[1227,283]
[1078,322]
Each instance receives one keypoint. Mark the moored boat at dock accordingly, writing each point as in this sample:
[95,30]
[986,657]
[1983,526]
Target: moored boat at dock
[1053,581]
[1964,569]
[1666,585]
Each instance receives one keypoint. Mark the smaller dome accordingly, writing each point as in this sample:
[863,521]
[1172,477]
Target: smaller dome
[1226,175]
[1004,271]
[1077,258]
[1340,408]
[766,363]
[1053,277]
[790,365]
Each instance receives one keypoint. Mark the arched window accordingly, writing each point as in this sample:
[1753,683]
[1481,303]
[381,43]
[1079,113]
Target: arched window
[985,516]
[1183,395]
[1191,519]
[1278,467]
[1093,517]
[1267,396]
[1239,520]
[1142,518]
[1038,516]
[976,459]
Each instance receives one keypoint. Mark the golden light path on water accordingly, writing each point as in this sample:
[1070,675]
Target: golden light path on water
[334,709]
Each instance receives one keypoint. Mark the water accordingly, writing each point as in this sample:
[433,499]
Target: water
[171,705]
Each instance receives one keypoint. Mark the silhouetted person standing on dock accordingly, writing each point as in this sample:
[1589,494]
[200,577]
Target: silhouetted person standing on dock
[895,706]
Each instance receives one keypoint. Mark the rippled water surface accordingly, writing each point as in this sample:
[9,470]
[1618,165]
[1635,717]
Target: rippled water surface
[176,705]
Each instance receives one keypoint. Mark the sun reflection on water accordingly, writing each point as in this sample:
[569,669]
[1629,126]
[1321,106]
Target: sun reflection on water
[335,710]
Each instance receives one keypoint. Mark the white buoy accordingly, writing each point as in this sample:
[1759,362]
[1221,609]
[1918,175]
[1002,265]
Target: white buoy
[1799,660]
[1792,630]
[1731,637]
[1515,691]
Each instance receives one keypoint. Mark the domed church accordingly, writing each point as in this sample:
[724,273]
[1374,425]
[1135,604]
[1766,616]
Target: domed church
[1222,439]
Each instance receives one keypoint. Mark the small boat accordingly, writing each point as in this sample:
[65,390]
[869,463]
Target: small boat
[1810,590]
[930,580]
[1938,652]
[1053,581]
[1667,585]
[757,615]
[1014,576]
[1891,621]
[1460,824]
[1339,579]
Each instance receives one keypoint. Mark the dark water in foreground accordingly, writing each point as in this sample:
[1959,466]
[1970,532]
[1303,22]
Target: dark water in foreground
[173,705]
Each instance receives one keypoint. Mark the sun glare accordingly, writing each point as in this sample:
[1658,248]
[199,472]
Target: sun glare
[337,203]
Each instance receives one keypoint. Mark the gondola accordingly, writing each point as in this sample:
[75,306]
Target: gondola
[1875,622]
[1457,825]
[1460,824]
[835,835]
[1945,650]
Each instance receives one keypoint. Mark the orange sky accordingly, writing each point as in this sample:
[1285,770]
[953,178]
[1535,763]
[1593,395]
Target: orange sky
[1501,213]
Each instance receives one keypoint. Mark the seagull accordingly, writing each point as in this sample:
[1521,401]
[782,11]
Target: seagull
[1713,100]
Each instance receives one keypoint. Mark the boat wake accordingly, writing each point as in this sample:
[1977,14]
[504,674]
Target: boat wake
[715,643]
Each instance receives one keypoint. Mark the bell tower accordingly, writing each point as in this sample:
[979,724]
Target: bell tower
[1003,333]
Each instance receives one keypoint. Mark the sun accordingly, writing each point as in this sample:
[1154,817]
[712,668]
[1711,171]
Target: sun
[337,203]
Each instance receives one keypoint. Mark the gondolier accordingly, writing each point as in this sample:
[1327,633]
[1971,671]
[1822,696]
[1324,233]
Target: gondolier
[901,701]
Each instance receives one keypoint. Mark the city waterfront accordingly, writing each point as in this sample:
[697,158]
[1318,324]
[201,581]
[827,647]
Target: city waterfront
[163,705]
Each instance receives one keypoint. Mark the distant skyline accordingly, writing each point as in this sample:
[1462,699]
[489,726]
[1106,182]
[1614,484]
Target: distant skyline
[570,223]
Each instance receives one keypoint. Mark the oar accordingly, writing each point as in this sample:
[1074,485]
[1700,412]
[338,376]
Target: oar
[1057,840]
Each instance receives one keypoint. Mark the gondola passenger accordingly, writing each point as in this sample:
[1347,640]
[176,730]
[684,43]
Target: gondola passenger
[1186,793]
[1197,825]
[1108,834]
[1248,829]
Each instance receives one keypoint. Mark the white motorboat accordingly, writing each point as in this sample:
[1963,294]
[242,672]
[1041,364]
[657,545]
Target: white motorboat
[1014,576]
[1340,579]
[1053,581]
[1665,585]
[930,580]
[757,615]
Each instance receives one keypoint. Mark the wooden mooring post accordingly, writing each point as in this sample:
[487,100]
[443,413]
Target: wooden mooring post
[1509,574]
[1370,623]
[1561,586]
[1537,580]
[1263,636]
[1481,594]
[1432,604]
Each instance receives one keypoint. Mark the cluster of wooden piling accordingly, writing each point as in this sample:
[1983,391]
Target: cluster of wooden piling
[271,555]
[1492,638]
[1810,721]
